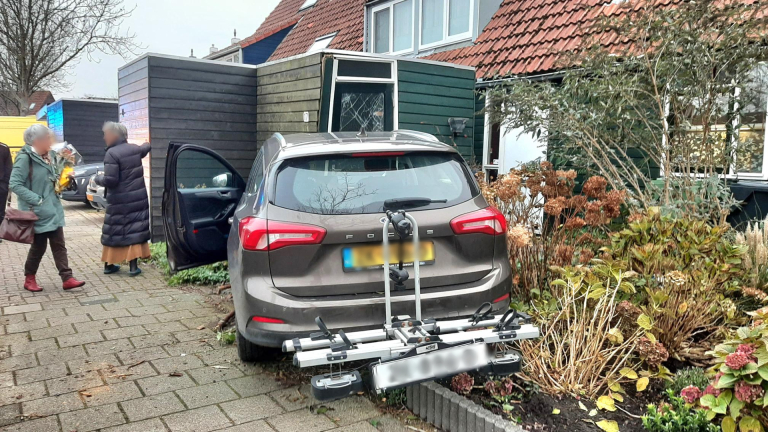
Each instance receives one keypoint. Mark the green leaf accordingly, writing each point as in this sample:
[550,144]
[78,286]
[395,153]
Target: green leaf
[725,397]
[763,371]
[508,408]
[708,401]
[644,321]
[629,373]
[736,406]
[750,424]
[749,368]
[728,425]
[726,381]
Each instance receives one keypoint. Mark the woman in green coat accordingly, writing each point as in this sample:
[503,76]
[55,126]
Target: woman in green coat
[33,179]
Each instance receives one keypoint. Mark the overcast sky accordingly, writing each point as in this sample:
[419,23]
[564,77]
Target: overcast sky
[170,27]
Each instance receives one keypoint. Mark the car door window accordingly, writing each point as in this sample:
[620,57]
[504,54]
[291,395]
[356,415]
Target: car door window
[198,170]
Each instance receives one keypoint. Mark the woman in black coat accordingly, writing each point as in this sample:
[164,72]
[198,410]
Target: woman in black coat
[125,234]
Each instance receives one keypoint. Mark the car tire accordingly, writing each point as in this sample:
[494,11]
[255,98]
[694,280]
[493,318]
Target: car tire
[97,207]
[248,351]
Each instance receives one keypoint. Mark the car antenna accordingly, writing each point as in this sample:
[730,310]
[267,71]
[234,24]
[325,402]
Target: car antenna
[362,133]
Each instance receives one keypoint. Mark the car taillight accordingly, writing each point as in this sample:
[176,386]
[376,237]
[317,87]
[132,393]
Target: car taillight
[258,234]
[485,221]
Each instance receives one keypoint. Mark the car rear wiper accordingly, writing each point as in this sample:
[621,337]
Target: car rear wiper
[411,202]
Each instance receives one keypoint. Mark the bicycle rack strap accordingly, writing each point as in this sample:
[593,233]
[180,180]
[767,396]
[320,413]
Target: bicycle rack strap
[324,332]
[482,313]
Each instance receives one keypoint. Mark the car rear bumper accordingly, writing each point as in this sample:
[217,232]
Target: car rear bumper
[79,194]
[353,313]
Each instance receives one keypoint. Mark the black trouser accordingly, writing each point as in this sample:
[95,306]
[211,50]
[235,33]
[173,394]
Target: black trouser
[4,198]
[58,248]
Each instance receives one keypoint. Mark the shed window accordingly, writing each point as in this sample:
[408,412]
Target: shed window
[321,43]
[393,27]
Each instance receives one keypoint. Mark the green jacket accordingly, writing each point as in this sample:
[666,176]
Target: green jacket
[41,196]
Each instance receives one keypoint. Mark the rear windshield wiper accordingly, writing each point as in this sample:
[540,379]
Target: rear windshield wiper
[410,202]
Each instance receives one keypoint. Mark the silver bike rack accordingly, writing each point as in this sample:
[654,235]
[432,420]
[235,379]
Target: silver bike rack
[409,350]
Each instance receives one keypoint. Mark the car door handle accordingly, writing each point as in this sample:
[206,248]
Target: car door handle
[226,194]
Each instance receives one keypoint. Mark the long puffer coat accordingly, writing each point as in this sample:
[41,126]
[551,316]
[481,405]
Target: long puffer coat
[127,217]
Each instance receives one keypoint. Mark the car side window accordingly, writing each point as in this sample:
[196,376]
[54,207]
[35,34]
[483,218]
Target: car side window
[257,173]
[199,170]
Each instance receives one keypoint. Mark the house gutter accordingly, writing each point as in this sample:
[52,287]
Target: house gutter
[481,84]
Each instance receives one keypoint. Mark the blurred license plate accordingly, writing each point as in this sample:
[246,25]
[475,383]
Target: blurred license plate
[429,363]
[89,196]
[372,256]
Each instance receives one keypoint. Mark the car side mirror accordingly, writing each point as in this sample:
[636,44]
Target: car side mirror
[222,180]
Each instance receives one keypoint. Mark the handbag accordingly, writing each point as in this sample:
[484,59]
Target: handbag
[18,225]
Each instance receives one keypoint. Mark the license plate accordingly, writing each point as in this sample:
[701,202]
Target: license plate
[372,256]
[89,196]
[429,363]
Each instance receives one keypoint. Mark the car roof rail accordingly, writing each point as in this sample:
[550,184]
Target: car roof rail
[421,135]
[281,139]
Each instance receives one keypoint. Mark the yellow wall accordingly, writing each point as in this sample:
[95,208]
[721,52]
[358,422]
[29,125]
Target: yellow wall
[12,131]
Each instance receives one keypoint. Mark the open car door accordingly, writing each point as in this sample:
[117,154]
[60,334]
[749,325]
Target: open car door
[200,195]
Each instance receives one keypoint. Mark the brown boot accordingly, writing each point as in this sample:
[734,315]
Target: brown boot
[30,284]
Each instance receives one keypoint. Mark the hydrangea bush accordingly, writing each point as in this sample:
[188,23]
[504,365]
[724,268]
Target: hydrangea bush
[738,390]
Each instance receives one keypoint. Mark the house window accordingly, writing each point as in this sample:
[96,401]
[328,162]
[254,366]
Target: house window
[445,21]
[321,43]
[751,142]
[307,4]
[393,27]
[230,58]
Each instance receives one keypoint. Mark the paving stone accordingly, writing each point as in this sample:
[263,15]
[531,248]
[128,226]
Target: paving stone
[173,316]
[209,374]
[197,420]
[74,382]
[177,364]
[49,332]
[117,392]
[147,310]
[97,325]
[151,425]
[256,426]
[61,355]
[56,321]
[293,398]
[220,357]
[252,408]
[182,306]
[152,406]
[10,414]
[164,383]
[193,323]
[165,327]
[124,332]
[25,326]
[352,410]
[52,405]
[108,314]
[15,319]
[92,418]
[43,314]
[109,347]
[254,385]
[151,340]
[11,310]
[79,339]
[18,362]
[188,348]
[209,394]
[21,393]
[33,346]
[122,304]
[123,373]
[302,420]
[81,310]
[363,426]
[129,321]
[41,373]
[48,424]
[152,353]
[93,363]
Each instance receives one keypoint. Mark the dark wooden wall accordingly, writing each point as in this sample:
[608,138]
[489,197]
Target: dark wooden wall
[285,91]
[83,120]
[429,94]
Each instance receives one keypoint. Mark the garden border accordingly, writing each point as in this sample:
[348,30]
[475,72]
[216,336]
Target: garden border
[452,412]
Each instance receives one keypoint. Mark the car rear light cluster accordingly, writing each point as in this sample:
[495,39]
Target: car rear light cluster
[258,234]
[486,221]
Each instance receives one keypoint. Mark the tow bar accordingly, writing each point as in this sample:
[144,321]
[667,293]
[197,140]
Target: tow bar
[409,350]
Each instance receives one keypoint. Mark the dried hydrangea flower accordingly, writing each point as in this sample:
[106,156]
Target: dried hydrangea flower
[747,393]
[691,394]
[737,360]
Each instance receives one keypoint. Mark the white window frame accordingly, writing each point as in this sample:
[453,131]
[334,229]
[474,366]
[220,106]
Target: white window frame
[352,79]
[328,37]
[391,7]
[447,40]
[307,4]
[231,57]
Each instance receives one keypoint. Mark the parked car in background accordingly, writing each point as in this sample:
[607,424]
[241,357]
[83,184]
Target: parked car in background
[82,175]
[303,237]
[95,193]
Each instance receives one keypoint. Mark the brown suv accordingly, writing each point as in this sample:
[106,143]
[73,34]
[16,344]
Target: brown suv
[303,236]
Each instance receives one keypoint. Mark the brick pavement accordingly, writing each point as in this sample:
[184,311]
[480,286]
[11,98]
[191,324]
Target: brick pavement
[125,354]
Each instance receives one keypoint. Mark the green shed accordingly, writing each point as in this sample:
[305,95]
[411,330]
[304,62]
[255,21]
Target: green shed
[234,108]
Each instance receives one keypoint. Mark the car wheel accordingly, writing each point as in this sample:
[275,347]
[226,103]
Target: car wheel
[96,206]
[248,351]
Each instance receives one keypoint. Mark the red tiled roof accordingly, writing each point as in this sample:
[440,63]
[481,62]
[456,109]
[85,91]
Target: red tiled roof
[38,98]
[343,17]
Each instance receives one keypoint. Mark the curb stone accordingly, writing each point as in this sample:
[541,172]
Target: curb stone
[453,412]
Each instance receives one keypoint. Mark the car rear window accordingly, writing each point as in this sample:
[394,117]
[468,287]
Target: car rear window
[341,184]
